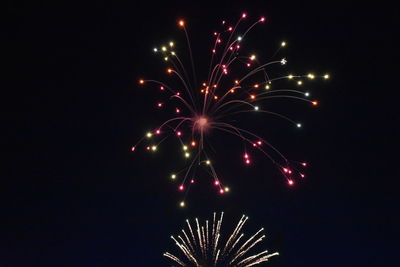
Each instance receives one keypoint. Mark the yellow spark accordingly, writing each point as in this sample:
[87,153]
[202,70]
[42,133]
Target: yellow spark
[171,44]
[226,189]
[154,148]
[173,176]
[185,147]
[182,204]
[290,76]
[326,76]
[208,162]
[283,44]
[299,82]
[187,155]
[149,135]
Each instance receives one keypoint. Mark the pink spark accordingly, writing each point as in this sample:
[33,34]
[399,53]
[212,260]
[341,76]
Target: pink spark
[192,181]
[158,131]
[133,148]
[230,29]
[244,15]
[147,147]
[304,164]
[181,187]
[302,175]
[216,182]
[162,88]
[285,170]
[221,191]
[177,110]
[262,19]
[159,105]
[290,182]
[259,143]
[178,133]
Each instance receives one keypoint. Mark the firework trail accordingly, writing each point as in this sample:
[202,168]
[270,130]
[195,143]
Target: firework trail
[202,245]
[236,83]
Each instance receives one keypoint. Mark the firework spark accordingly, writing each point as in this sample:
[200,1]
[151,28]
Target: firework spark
[202,245]
[236,83]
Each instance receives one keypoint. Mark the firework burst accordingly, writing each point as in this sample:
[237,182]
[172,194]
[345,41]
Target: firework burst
[203,245]
[237,82]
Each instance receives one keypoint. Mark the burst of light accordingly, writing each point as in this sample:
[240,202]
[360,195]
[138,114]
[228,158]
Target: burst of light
[154,148]
[216,182]
[133,148]
[226,189]
[173,176]
[182,204]
[181,188]
[298,125]
[215,111]
[205,244]
[221,191]
[244,15]
[307,94]
[326,76]
[304,164]
[290,182]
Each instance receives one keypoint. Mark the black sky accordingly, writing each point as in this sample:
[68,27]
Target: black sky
[72,194]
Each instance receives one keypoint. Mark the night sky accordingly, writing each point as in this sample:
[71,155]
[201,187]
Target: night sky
[72,193]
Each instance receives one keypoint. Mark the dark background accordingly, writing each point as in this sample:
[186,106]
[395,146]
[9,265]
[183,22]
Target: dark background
[72,194]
